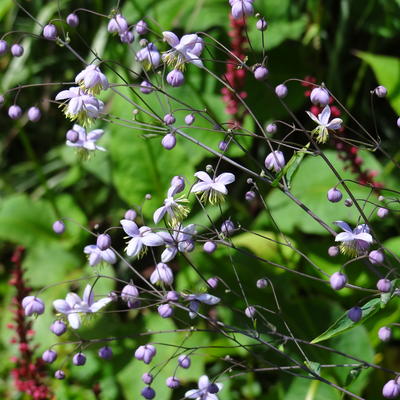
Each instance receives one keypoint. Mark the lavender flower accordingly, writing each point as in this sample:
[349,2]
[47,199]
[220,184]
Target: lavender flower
[184,361]
[141,28]
[3,47]
[382,212]
[173,382]
[172,209]
[59,227]
[281,91]
[32,305]
[203,392]
[196,299]
[338,280]
[190,118]
[319,96]
[59,374]
[105,352]
[74,307]
[118,24]
[385,333]
[380,91]
[178,182]
[86,142]
[354,242]
[384,285]
[262,24]
[147,378]
[175,78]
[275,161]
[149,56]
[334,195]
[355,314]
[49,356]
[241,8]
[34,114]
[148,393]
[324,125]
[165,310]
[162,273]
[129,294]
[169,140]
[58,327]
[17,50]
[209,247]
[72,20]
[391,390]
[92,80]
[146,87]
[212,189]
[376,257]
[79,359]
[96,255]
[260,73]
[50,32]
[15,112]
[145,353]
[127,37]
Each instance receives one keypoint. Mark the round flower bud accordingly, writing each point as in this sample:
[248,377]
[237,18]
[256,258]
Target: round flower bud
[262,24]
[165,310]
[15,112]
[105,352]
[72,136]
[146,87]
[169,140]
[172,296]
[385,333]
[34,114]
[262,283]
[72,20]
[127,37]
[59,227]
[32,305]
[222,145]
[271,128]
[50,32]
[381,198]
[59,374]
[184,361]
[148,393]
[189,119]
[380,91]
[49,356]
[3,47]
[338,281]
[382,212]
[227,227]
[213,282]
[275,161]
[169,119]
[391,390]
[58,327]
[130,215]
[213,388]
[129,293]
[398,122]
[281,91]
[384,285]
[79,359]
[141,28]
[260,73]
[334,195]
[376,257]
[178,182]
[209,247]
[348,202]
[103,241]
[173,382]
[355,314]
[250,195]
[145,353]
[319,96]
[17,50]
[250,311]
[147,378]
[175,78]
[333,251]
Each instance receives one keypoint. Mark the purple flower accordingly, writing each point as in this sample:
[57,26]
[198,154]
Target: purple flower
[209,247]
[334,195]
[96,255]
[260,73]
[50,32]
[382,212]
[262,24]
[250,311]
[103,241]
[241,8]
[118,24]
[271,128]
[59,227]
[185,50]
[17,50]
[184,361]
[385,333]
[262,283]
[145,353]
[105,352]
[169,140]
[355,314]
[72,20]
[127,37]
[281,91]
[146,87]
[203,392]
[227,227]
[149,56]
[190,118]
[73,306]
[32,305]
[376,257]
[165,310]
[319,96]
[86,141]
[175,78]
[15,112]
[178,182]
[212,189]
[173,382]
[333,251]
[213,282]
[196,299]
[92,79]
[141,27]
[324,125]
[380,91]
[140,238]
[59,374]
[148,393]
[391,390]
[58,327]
[130,214]
[129,294]
[147,378]
[172,209]
[384,285]
[338,280]
[169,119]
[354,242]
[79,359]
[275,161]
[34,114]
[49,356]
[162,273]
[3,47]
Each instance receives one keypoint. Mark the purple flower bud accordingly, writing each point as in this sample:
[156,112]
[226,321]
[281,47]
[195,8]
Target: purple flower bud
[169,119]
[384,285]
[184,361]
[355,314]
[146,87]
[189,119]
[250,311]
[147,378]
[209,247]
[319,96]
[103,241]
[59,374]
[49,356]
[145,353]
[241,8]
[162,273]
[34,114]
[271,128]
[105,352]
[385,333]
[58,327]
[348,202]
[275,161]
[172,296]
[17,50]
[376,257]
[173,382]
[50,32]
[260,73]
[222,145]
[72,136]
[165,310]
[398,122]
[32,305]
[141,28]
[213,388]
[3,47]
[333,251]
[127,37]
[79,359]
[148,393]
[175,78]
[213,282]
[227,227]
[391,390]
[382,212]
[169,140]
[130,215]
[15,112]
[117,24]
[72,20]
[250,195]
[262,283]
[334,195]
[262,24]
[380,91]
[338,281]
[129,293]
[281,91]
[178,182]
[59,227]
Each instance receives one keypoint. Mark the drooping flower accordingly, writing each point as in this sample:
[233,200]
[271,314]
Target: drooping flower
[86,141]
[96,255]
[185,50]
[241,8]
[196,299]
[118,24]
[324,125]
[354,242]
[162,273]
[74,307]
[172,209]
[92,80]
[32,305]
[207,390]
[149,56]
[212,189]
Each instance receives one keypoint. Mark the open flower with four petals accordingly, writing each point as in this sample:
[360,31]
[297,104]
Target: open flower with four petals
[212,189]
[324,125]
[354,241]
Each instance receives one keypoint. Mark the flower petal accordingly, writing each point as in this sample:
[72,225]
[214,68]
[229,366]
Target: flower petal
[152,240]
[74,320]
[130,227]
[226,178]
[134,247]
[100,304]
[344,237]
[159,214]
[336,123]
[203,176]
[168,254]
[324,116]
[364,236]
[200,187]
[204,382]
[193,394]
[95,134]
[344,225]
[313,117]
[109,256]
[208,299]
[72,299]
[61,306]
[171,38]
[88,295]
[219,187]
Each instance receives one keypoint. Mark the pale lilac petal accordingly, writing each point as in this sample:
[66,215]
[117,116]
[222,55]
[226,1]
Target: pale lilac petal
[94,258]
[89,145]
[219,187]
[193,394]
[188,40]
[168,254]
[344,225]
[166,236]
[208,299]
[74,320]
[152,240]
[226,178]
[26,300]
[198,47]
[130,227]
[61,306]
[75,105]
[313,117]
[100,304]
[134,246]
[64,94]
[200,187]
[95,134]
[194,59]
[171,38]
[91,79]
[203,176]
[72,299]
[88,295]
[325,115]
[344,237]
[336,123]
[109,256]
[89,248]
[211,396]
[204,382]
[366,237]
[159,214]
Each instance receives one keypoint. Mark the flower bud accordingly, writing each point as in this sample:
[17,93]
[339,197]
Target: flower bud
[105,352]
[127,37]
[385,333]
[130,215]
[209,247]
[355,314]
[172,296]
[384,285]
[49,356]
[213,282]
[178,182]
[32,305]
[380,91]
[146,87]
[58,327]
[129,293]
[79,359]
[184,361]
[59,227]
[391,390]
[3,47]
[281,91]
[275,161]
[147,378]
[148,393]
[222,145]
[376,257]
[141,28]
[145,353]
[271,128]
[117,24]
[17,50]
[398,122]
[382,212]
[348,202]
[50,32]
[260,73]
[34,114]
[189,119]
[162,273]
[333,251]
[169,140]
[72,20]
[165,310]
[262,24]
[72,136]
[103,241]
[15,112]
[227,227]
[250,195]
[59,374]
[338,281]
[213,388]
[169,119]
[262,283]
[250,311]
[175,78]
[319,96]
[334,195]
[173,382]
